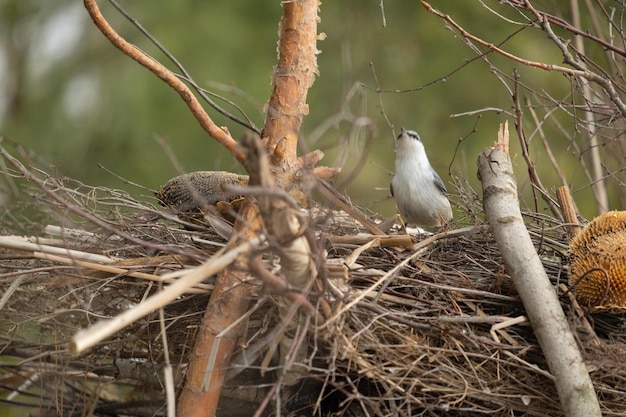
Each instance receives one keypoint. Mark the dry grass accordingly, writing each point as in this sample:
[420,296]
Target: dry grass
[445,335]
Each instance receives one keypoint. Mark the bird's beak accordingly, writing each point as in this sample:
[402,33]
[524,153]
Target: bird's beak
[402,130]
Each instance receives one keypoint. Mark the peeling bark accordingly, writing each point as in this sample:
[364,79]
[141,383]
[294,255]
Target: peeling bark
[211,353]
[544,311]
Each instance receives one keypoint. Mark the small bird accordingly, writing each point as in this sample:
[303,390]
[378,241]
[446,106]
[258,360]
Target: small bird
[419,192]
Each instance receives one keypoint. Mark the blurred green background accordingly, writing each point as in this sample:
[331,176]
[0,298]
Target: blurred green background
[69,96]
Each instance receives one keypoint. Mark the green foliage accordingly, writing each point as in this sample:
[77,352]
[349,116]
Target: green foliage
[82,103]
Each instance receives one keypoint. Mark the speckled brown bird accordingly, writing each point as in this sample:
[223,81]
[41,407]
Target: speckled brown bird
[192,191]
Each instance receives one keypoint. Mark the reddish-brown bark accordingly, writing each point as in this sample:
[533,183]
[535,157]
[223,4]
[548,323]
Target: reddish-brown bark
[293,76]
[229,301]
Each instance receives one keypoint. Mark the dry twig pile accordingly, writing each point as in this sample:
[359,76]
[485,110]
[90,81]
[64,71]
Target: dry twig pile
[436,330]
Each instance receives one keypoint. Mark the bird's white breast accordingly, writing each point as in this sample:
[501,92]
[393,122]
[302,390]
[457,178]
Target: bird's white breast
[419,200]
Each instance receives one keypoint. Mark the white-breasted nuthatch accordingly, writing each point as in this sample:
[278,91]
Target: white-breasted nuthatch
[420,194]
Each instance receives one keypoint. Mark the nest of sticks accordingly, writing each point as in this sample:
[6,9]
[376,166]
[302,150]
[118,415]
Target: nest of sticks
[430,328]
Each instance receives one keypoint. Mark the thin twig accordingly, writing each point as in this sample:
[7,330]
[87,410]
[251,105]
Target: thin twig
[76,209]
[532,171]
[606,84]
[187,77]
[219,134]
[95,334]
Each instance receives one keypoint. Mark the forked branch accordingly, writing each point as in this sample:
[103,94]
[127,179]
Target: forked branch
[606,83]
[219,134]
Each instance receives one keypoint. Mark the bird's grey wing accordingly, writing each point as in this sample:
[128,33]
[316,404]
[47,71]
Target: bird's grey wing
[439,183]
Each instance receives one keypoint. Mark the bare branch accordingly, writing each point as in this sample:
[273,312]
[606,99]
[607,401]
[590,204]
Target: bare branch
[606,84]
[542,306]
[532,171]
[187,77]
[220,134]
[523,4]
